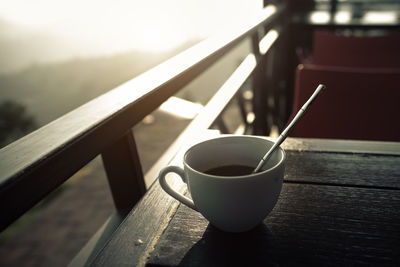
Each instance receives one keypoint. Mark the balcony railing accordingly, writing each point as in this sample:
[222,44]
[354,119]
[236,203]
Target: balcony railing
[38,163]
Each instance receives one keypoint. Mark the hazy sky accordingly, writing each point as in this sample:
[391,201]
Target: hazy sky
[115,25]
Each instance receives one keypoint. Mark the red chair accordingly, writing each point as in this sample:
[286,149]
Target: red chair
[358,103]
[332,49]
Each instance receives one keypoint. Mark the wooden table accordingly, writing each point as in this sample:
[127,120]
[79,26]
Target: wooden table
[339,206]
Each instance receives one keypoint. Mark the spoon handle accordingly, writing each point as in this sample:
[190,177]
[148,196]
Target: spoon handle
[287,130]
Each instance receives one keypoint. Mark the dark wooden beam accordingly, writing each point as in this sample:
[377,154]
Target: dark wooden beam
[124,172]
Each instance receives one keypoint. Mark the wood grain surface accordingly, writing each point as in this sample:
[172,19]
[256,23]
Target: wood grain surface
[348,169]
[335,209]
[311,225]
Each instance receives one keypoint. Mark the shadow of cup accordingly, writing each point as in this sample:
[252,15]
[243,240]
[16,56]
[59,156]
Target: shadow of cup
[219,248]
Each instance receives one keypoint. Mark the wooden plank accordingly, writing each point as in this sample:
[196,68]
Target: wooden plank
[347,169]
[342,146]
[98,240]
[310,226]
[139,231]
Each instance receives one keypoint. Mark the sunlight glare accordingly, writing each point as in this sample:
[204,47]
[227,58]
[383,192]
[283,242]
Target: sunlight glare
[380,17]
[121,25]
[267,41]
[320,17]
[181,108]
[343,17]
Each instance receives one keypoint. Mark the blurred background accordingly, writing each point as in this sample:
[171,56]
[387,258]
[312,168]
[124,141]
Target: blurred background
[56,55]
[72,51]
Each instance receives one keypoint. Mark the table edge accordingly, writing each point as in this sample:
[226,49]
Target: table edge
[342,146]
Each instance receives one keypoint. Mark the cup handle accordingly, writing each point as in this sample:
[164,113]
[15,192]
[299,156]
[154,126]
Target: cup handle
[163,182]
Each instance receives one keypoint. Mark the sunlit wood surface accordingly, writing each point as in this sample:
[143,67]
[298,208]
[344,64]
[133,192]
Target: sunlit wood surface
[337,207]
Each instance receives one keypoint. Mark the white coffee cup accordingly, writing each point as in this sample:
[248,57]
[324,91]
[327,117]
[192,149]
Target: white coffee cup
[230,203]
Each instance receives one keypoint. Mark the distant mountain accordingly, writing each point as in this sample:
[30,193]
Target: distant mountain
[51,90]
[21,47]
[48,91]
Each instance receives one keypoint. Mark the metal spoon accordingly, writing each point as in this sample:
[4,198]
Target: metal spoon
[286,132]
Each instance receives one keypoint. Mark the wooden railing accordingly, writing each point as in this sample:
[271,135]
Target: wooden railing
[35,165]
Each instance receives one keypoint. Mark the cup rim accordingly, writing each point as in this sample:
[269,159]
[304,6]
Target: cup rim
[280,162]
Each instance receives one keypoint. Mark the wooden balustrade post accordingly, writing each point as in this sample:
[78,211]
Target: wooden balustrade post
[219,122]
[124,172]
[242,108]
[260,101]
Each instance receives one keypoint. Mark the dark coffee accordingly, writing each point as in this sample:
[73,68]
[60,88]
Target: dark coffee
[230,170]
